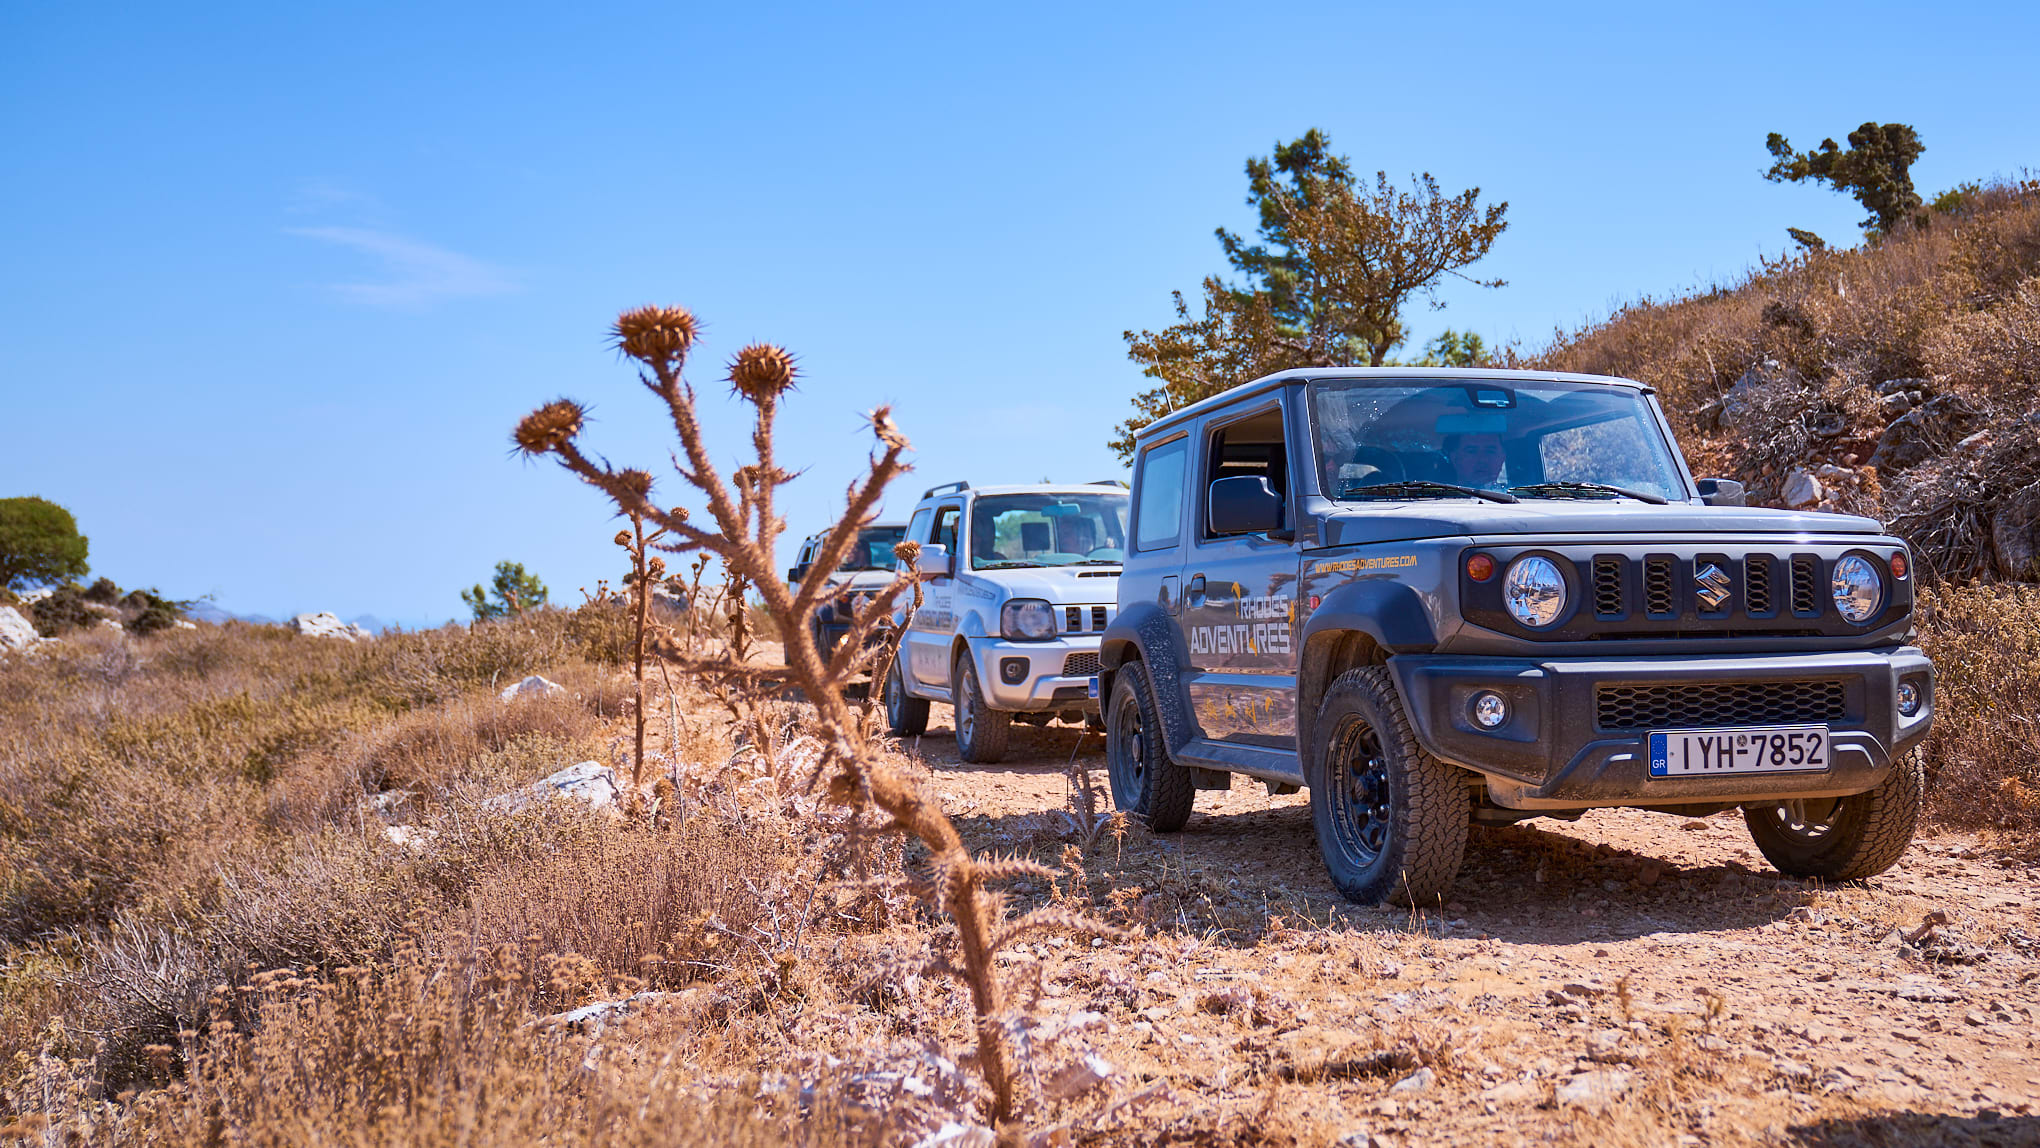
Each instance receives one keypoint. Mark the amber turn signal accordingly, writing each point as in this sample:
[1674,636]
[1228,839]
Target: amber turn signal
[1480,567]
[1899,566]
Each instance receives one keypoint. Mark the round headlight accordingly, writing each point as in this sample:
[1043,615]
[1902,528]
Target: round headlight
[1858,589]
[1534,591]
[1027,620]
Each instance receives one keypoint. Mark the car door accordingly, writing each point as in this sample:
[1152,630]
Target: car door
[928,638]
[1239,594]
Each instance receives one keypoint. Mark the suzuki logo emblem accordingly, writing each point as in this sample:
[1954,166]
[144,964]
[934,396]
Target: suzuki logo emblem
[1713,583]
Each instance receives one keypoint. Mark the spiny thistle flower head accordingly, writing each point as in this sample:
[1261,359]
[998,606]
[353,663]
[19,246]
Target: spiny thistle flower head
[655,336]
[907,552]
[762,371]
[677,514]
[656,567]
[550,427]
[623,538]
[635,482]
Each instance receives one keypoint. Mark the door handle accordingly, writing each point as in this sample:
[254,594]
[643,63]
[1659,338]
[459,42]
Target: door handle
[1195,595]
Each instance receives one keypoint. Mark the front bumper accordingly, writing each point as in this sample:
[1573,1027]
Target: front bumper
[1556,752]
[1056,676]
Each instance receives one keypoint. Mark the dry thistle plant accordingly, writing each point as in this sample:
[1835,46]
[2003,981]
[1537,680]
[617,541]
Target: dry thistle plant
[741,531]
[646,571]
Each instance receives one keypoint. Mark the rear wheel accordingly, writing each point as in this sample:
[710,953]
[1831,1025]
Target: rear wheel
[1843,838]
[1391,819]
[1145,782]
[981,731]
[905,715]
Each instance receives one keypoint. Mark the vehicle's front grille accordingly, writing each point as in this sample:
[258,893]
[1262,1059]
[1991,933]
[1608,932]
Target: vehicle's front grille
[1608,587]
[1657,587]
[1757,584]
[1711,705]
[1081,665]
[1086,619]
[1611,587]
[1804,574]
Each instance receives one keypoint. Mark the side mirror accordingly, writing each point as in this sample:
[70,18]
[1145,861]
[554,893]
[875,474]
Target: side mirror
[793,574]
[935,561]
[1720,491]
[1245,504]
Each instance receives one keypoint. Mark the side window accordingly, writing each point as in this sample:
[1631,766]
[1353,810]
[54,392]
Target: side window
[1252,447]
[917,526]
[1158,519]
[945,527]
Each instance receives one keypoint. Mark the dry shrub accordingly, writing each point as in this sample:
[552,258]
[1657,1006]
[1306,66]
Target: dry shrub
[643,910]
[1950,301]
[420,1051]
[1983,758]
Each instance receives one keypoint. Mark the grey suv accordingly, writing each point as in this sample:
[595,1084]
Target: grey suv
[1438,597]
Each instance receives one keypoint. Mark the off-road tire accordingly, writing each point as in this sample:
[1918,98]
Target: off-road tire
[1394,828]
[1145,783]
[905,715]
[1860,836]
[981,731]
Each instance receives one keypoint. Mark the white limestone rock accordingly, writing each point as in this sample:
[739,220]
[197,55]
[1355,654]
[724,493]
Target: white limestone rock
[533,687]
[327,625]
[16,631]
[1802,490]
[591,783]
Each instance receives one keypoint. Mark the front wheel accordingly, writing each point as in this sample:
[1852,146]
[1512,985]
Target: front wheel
[1391,819]
[905,715]
[1843,838]
[981,731]
[1145,782]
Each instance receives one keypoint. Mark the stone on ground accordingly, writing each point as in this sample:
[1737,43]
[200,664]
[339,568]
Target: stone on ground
[533,687]
[327,625]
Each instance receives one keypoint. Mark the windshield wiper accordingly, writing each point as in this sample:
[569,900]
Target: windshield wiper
[1100,562]
[1008,564]
[1585,490]
[1424,488]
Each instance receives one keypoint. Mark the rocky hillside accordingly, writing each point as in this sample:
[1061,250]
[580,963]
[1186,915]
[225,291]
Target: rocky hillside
[1897,380]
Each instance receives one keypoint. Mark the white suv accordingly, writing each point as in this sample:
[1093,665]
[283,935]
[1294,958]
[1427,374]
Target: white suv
[867,570]
[1021,582]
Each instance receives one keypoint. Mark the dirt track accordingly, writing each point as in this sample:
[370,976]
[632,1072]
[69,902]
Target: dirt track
[1629,977]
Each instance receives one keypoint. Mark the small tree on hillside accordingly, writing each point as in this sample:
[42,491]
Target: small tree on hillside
[39,544]
[511,592]
[1877,170]
[1325,286]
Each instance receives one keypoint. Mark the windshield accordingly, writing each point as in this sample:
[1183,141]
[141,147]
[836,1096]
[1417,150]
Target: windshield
[873,549]
[1535,440]
[1012,530]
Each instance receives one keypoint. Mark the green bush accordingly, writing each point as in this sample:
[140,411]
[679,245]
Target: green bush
[39,543]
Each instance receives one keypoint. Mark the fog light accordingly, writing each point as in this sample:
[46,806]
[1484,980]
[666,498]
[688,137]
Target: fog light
[1013,671]
[1489,710]
[1908,698]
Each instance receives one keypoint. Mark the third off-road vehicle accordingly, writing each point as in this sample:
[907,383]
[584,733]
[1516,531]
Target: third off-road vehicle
[1437,597]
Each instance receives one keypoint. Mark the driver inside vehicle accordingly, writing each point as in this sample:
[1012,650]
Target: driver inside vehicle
[1476,459]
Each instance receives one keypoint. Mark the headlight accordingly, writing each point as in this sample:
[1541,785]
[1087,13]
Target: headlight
[1027,620]
[1857,587]
[1534,590]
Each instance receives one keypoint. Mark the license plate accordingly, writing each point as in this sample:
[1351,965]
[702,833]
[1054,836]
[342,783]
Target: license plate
[1765,749]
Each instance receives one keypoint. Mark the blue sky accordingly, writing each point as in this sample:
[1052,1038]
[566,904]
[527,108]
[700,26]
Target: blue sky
[278,279]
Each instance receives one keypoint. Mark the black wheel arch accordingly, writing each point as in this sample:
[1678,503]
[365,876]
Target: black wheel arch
[1361,623]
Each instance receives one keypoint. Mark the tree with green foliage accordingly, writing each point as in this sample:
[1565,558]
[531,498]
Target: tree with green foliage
[1336,263]
[39,544]
[510,593]
[1454,349]
[1876,169]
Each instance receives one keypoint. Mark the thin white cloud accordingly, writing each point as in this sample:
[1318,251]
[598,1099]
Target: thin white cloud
[413,273]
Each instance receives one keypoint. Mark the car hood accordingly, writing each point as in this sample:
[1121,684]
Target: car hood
[1435,518]
[1071,585]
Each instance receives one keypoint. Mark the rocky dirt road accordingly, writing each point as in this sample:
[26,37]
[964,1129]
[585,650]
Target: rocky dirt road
[1628,978]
